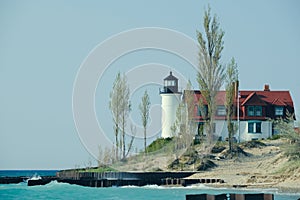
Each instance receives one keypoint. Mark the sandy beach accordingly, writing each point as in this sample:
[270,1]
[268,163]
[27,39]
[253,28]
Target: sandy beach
[265,167]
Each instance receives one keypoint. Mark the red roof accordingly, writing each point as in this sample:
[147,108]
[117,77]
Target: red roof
[278,98]
[267,99]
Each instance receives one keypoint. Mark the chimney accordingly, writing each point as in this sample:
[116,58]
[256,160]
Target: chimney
[267,87]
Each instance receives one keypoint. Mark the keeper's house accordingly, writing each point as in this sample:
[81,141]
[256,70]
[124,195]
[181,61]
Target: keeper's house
[254,118]
[257,111]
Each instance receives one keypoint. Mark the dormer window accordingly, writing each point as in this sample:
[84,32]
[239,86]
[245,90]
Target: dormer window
[254,111]
[279,110]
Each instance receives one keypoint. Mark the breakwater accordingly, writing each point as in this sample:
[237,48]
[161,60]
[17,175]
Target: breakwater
[109,179]
[259,196]
[9,180]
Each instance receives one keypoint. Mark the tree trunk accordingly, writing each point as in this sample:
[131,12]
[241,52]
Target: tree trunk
[230,130]
[117,143]
[123,138]
[145,140]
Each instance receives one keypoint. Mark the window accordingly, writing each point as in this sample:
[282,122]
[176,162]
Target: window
[258,127]
[254,111]
[169,83]
[250,127]
[221,110]
[254,127]
[258,111]
[250,111]
[279,110]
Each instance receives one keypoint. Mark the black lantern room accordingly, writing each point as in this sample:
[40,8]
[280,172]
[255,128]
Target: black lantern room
[170,84]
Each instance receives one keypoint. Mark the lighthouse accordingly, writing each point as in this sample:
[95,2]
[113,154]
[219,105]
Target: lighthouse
[170,97]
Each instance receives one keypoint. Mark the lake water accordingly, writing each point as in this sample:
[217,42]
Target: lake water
[27,173]
[55,190]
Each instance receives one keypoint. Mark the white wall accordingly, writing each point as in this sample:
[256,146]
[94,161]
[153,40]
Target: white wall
[169,106]
[266,130]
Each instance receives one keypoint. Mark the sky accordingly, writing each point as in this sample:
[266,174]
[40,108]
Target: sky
[44,46]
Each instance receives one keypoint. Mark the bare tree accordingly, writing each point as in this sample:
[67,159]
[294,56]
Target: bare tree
[231,81]
[125,109]
[107,156]
[211,72]
[133,134]
[144,111]
[180,128]
[184,124]
[120,107]
[190,106]
[115,107]
[100,156]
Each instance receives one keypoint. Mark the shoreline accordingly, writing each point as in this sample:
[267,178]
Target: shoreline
[262,187]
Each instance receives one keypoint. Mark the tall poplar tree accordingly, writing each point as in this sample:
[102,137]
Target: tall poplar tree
[115,108]
[211,73]
[119,105]
[231,93]
[144,108]
[125,110]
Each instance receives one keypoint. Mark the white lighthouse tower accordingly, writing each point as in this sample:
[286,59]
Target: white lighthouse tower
[171,98]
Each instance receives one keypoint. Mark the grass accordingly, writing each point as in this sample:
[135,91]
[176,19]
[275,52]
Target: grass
[289,166]
[99,169]
[158,144]
[275,137]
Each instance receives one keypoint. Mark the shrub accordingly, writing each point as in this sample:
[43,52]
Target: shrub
[275,137]
[158,144]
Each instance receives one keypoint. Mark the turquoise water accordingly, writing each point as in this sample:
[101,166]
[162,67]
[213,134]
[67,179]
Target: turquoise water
[27,173]
[55,190]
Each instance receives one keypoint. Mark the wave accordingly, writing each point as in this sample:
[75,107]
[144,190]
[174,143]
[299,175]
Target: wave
[151,187]
[154,187]
[130,186]
[55,183]
[13,185]
[195,186]
[199,186]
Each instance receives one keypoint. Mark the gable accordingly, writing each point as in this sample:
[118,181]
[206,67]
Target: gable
[253,100]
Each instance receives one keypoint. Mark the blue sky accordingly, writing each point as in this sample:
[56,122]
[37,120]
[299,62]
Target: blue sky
[44,43]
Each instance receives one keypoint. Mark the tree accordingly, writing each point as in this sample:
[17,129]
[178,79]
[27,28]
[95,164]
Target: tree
[144,108]
[179,126]
[184,124]
[133,134]
[189,101]
[105,156]
[285,128]
[125,109]
[119,105]
[211,72]
[115,107]
[231,80]
[190,108]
